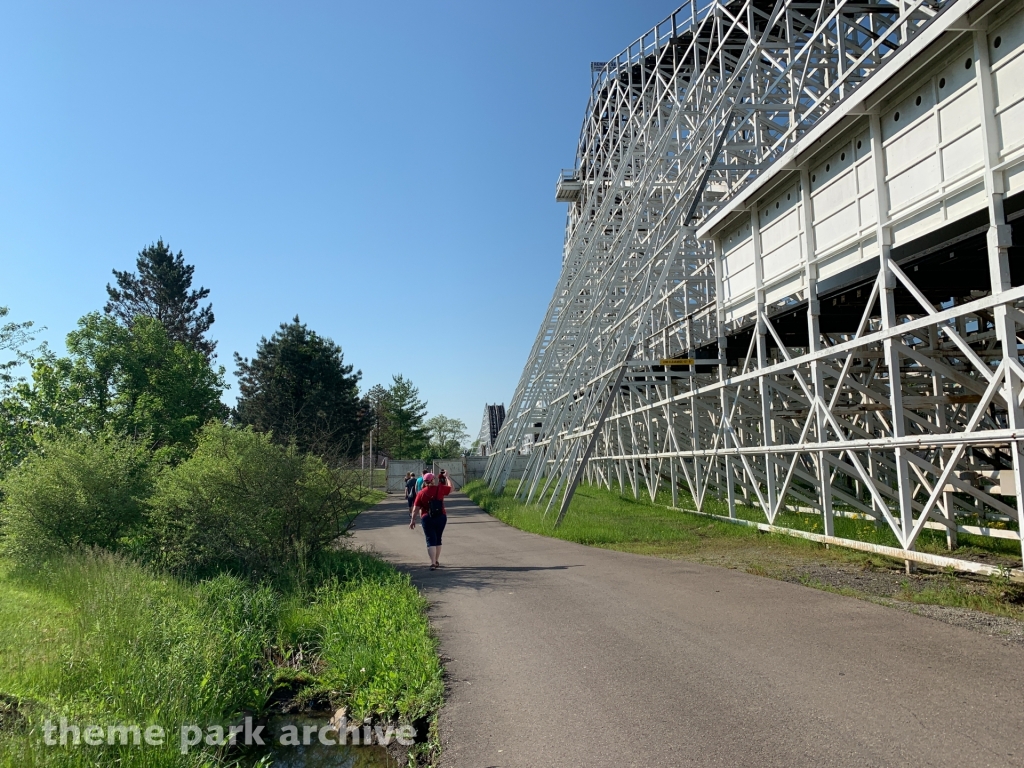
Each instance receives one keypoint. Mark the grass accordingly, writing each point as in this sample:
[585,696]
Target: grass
[969,546]
[373,650]
[1001,599]
[366,478]
[99,639]
[602,518]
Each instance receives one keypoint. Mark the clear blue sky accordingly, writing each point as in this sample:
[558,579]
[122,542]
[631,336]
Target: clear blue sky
[384,170]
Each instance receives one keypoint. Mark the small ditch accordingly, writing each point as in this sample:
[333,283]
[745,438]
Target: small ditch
[285,729]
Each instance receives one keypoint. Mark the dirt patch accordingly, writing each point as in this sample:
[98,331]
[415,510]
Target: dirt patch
[924,593]
[987,605]
[1010,631]
[12,716]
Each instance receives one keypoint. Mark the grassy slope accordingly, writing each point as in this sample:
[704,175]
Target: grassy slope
[602,518]
[102,640]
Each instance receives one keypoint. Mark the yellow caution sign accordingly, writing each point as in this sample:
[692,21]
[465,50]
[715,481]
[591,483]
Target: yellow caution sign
[678,361]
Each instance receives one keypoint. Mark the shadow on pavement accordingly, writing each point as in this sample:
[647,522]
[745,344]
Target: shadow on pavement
[473,577]
[393,513]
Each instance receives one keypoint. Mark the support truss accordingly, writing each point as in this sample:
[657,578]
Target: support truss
[899,403]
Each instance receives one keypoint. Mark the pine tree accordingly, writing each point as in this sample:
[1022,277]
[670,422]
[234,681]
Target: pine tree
[298,387]
[162,289]
[376,405]
[406,437]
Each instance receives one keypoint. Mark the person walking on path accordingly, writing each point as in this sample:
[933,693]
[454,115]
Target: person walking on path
[430,504]
[419,480]
[410,489]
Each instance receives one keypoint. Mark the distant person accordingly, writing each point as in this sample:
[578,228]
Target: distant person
[433,516]
[419,481]
[410,489]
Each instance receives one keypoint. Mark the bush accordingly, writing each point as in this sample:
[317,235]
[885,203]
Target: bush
[76,491]
[242,503]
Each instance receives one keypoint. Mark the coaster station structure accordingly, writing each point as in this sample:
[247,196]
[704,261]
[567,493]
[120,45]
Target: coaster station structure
[791,276]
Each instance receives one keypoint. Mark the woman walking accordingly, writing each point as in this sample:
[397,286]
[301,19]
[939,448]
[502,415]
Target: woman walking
[410,489]
[430,504]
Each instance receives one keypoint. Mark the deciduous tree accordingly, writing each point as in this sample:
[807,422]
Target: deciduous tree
[133,381]
[15,430]
[14,337]
[446,437]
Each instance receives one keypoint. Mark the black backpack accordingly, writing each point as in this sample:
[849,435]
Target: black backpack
[436,508]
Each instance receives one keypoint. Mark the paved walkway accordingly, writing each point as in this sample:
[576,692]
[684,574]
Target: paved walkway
[562,655]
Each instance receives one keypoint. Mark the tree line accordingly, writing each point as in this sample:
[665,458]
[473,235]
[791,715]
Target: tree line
[125,442]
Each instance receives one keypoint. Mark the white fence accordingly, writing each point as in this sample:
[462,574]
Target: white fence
[455,468]
[461,470]
[396,473]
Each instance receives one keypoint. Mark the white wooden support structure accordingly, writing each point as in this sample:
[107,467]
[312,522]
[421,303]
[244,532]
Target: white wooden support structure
[825,202]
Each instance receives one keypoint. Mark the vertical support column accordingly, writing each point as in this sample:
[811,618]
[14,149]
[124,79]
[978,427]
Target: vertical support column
[670,425]
[814,345]
[698,465]
[633,447]
[999,241]
[904,482]
[791,75]
[672,479]
[722,376]
[941,422]
[840,56]
[762,361]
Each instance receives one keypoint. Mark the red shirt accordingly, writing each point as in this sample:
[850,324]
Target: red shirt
[428,494]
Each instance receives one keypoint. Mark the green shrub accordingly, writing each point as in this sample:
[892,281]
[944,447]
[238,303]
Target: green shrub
[76,491]
[242,503]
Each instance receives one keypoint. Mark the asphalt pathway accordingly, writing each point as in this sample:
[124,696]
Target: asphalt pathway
[565,655]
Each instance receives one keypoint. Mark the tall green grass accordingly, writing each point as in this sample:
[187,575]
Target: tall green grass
[99,639]
[369,629]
